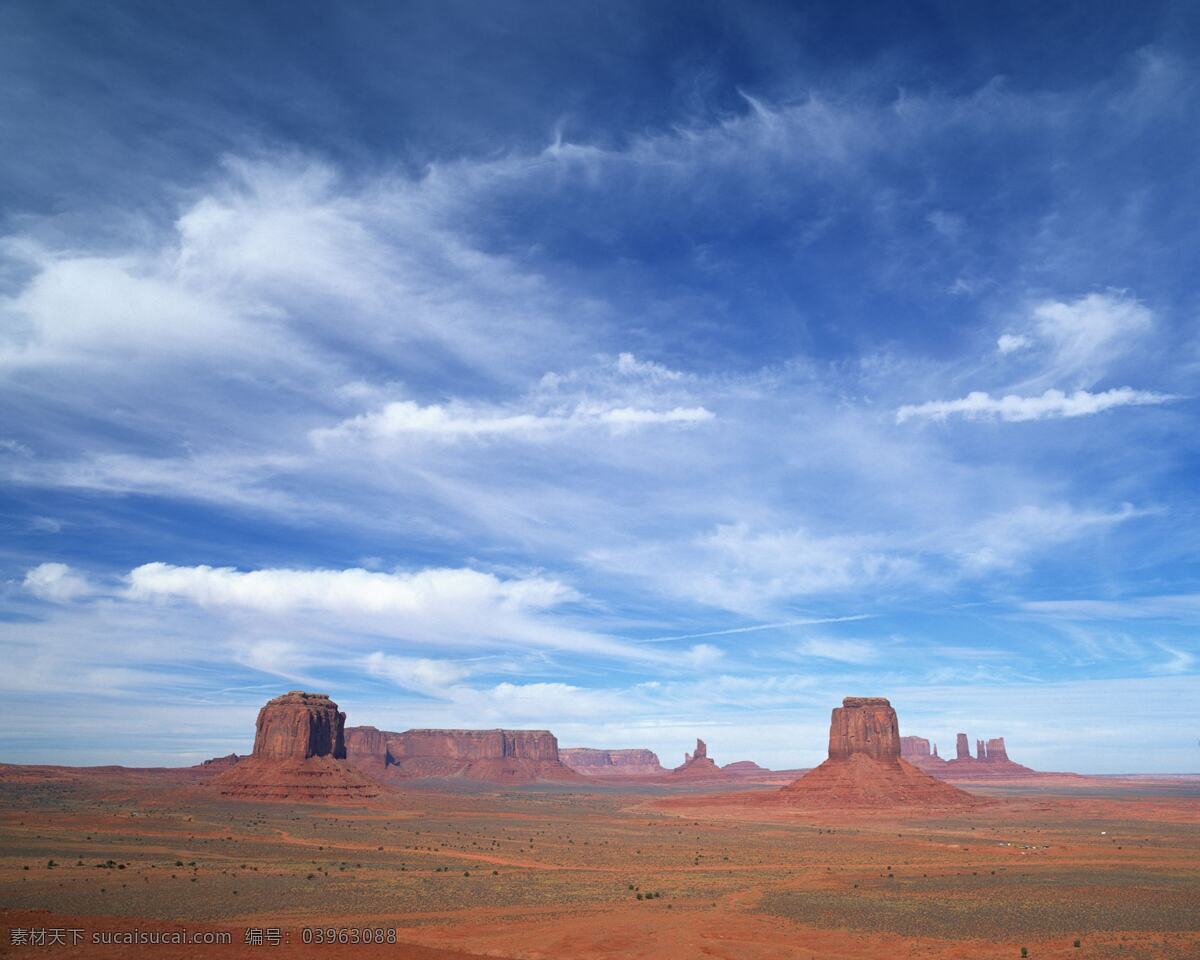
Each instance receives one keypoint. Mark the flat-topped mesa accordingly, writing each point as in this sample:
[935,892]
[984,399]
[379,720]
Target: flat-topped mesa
[299,725]
[509,756]
[367,745]
[914,748]
[996,751]
[963,750]
[865,725]
[474,744]
[611,763]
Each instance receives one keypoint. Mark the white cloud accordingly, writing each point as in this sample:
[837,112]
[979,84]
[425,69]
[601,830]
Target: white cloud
[1012,342]
[405,418]
[704,655]
[458,607]
[1003,539]
[1177,662]
[1182,607]
[56,582]
[835,648]
[416,673]
[342,591]
[630,366]
[737,567]
[1088,333]
[1053,404]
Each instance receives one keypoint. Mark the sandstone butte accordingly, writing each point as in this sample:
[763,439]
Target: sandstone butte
[699,766]
[299,754]
[501,756]
[612,763]
[990,760]
[864,768]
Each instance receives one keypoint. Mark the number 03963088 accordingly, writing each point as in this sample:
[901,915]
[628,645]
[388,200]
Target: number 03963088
[348,935]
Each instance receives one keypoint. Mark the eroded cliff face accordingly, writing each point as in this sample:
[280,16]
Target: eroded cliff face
[299,751]
[298,725]
[509,756]
[474,745]
[865,725]
[612,763]
[364,743]
[913,748]
[996,751]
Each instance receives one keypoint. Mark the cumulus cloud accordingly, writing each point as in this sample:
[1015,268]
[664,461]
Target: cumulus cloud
[342,591]
[57,583]
[1053,404]
[1012,342]
[459,606]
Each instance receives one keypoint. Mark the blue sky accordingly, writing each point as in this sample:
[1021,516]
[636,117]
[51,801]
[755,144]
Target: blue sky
[638,371]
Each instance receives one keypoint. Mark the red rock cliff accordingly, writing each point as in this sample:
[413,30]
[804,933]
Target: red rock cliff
[866,725]
[367,746]
[611,763]
[299,751]
[914,748]
[298,725]
[474,744]
[996,751]
[508,756]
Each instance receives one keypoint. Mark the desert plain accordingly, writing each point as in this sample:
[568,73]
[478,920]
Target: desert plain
[594,870]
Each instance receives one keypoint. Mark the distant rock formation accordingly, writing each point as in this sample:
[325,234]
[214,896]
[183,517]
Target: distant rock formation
[914,748]
[990,761]
[504,756]
[611,763]
[699,766]
[744,768]
[299,752]
[864,768]
[217,764]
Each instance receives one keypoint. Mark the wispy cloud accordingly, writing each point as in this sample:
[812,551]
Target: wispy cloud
[406,418]
[1052,404]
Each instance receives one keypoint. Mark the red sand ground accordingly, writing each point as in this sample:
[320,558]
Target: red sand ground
[1114,863]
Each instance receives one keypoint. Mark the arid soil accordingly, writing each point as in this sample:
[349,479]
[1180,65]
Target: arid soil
[604,872]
